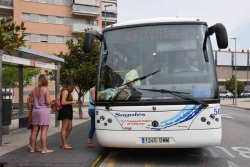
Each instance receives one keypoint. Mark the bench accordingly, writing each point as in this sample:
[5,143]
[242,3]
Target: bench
[23,122]
[23,119]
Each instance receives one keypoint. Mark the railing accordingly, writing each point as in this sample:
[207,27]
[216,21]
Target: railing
[6,3]
[110,18]
[85,10]
[114,16]
[77,28]
[87,2]
[109,1]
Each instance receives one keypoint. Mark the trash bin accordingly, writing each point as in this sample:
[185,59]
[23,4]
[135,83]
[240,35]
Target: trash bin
[7,107]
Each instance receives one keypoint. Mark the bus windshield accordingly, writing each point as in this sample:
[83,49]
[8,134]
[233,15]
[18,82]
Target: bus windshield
[175,51]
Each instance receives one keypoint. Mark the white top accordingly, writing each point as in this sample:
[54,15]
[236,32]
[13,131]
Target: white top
[156,20]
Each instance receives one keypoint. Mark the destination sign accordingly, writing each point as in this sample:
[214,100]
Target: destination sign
[150,34]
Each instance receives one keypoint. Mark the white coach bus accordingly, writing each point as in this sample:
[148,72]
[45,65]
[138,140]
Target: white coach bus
[157,84]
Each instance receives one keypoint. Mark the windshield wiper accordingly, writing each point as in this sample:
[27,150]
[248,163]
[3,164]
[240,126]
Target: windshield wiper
[179,94]
[127,84]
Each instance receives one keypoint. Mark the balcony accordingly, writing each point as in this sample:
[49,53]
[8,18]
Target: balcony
[6,4]
[78,28]
[87,2]
[111,18]
[109,1]
[85,10]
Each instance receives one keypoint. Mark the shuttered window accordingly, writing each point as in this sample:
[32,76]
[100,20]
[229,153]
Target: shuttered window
[59,39]
[43,38]
[43,19]
[25,17]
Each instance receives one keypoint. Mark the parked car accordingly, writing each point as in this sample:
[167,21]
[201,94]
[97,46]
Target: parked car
[226,94]
[245,94]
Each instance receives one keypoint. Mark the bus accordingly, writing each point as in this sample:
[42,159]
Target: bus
[157,84]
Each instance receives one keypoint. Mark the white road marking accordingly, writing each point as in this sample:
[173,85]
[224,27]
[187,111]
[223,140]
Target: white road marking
[236,114]
[243,151]
[227,116]
[231,164]
[225,150]
[212,152]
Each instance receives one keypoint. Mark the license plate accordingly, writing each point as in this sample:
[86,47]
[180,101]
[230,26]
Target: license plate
[146,140]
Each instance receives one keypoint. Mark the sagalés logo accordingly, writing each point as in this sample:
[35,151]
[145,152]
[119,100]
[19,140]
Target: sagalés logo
[126,115]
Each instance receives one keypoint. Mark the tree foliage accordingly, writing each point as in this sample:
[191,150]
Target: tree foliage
[11,35]
[230,86]
[10,75]
[82,67]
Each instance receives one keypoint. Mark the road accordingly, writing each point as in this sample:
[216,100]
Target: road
[234,150]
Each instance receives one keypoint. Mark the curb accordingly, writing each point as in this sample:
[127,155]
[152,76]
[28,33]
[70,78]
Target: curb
[101,157]
[235,106]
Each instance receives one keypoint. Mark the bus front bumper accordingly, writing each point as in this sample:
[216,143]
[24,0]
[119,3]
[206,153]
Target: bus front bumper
[159,139]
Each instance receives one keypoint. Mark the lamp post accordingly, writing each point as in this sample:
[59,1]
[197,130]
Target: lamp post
[107,5]
[235,94]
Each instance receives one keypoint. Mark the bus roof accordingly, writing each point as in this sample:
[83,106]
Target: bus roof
[156,20]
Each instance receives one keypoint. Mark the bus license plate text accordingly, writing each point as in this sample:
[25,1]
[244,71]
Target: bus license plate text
[155,140]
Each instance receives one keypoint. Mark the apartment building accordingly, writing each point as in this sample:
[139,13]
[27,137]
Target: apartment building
[109,12]
[50,23]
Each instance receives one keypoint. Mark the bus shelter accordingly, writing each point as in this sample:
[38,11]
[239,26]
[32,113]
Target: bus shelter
[24,57]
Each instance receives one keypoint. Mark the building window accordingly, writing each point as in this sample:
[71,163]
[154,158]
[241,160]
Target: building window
[43,1]
[25,17]
[27,37]
[2,16]
[59,39]
[94,22]
[43,19]
[43,38]
[59,2]
[59,20]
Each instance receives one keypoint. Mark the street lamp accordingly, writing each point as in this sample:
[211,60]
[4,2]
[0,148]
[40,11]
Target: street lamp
[107,5]
[235,73]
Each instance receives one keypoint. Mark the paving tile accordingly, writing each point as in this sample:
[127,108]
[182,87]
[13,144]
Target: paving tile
[78,156]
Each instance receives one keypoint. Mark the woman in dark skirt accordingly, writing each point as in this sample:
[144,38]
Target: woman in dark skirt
[66,113]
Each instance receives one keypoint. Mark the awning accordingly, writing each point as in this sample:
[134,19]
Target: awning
[33,58]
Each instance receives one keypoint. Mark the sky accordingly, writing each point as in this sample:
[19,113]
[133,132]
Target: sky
[233,14]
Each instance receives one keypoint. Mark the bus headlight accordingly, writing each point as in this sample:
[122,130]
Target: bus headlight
[102,118]
[109,120]
[212,116]
[105,124]
[217,119]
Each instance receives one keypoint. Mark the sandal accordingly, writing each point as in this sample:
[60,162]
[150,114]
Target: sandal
[35,150]
[67,148]
[90,145]
[67,145]
[46,151]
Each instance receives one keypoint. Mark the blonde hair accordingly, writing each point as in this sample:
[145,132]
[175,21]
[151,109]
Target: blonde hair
[42,81]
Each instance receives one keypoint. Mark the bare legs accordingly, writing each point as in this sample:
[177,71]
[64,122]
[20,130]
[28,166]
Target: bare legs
[65,131]
[33,137]
[43,138]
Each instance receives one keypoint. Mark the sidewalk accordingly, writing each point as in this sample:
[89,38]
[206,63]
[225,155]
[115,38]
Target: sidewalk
[15,152]
[243,103]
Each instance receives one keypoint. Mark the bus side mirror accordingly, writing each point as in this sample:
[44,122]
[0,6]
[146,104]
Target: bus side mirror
[89,39]
[88,43]
[221,35]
